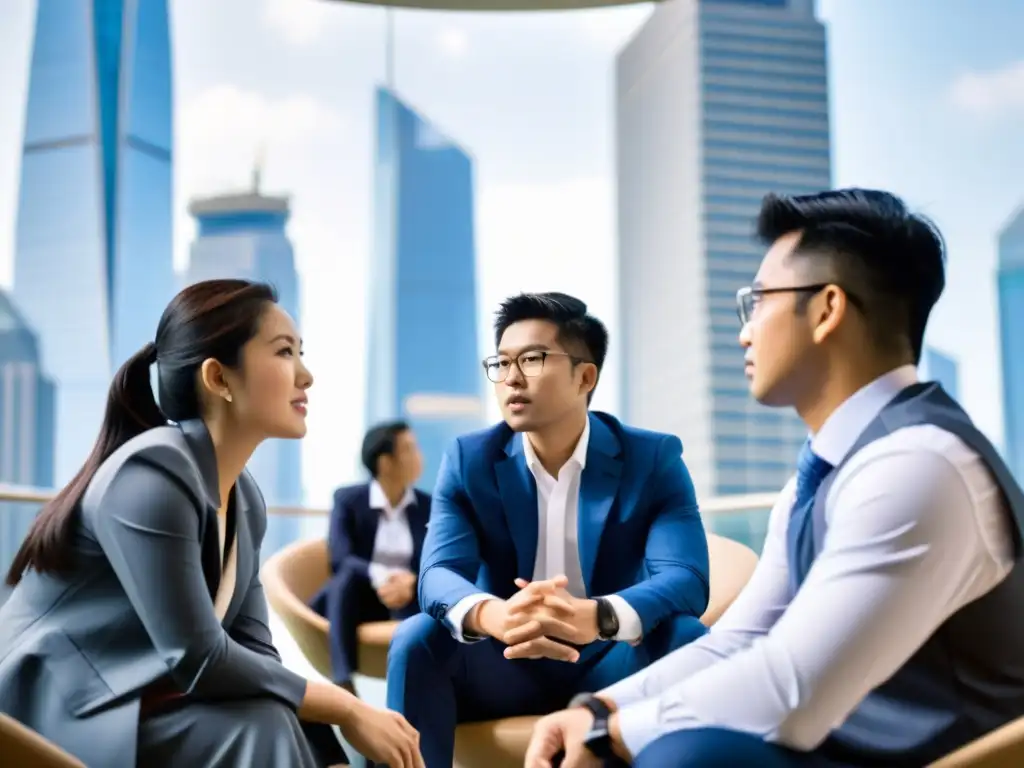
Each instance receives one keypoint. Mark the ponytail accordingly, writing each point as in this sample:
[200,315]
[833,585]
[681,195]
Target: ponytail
[131,410]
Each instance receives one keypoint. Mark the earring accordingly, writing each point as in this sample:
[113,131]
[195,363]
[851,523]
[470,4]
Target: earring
[227,396]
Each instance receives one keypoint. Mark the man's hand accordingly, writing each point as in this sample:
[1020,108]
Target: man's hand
[398,591]
[558,616]
[562,732]
[523,623]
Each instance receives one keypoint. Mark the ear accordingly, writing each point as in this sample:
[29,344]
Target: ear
[211,374]
[827,311]
[588,378]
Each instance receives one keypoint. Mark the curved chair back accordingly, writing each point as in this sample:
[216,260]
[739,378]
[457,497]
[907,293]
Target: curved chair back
[290,579]
[24,748]
[1003,748]
[732,565]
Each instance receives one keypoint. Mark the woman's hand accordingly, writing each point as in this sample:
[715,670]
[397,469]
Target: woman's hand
[382,736]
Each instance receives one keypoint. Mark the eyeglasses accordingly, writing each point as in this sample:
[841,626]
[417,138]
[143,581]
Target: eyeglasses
[749,297]
[530,363]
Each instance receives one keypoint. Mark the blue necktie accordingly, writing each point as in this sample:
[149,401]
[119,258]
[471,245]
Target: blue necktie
[811,470]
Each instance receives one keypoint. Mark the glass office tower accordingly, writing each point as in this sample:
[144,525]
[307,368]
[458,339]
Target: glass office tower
[92,261]
[943,368]
[424,357]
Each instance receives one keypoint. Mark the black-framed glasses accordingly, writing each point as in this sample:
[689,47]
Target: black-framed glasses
[749,297]
[529,363]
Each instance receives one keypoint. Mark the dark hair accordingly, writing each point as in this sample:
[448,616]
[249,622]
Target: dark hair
[889,260]
[380,441]
[579,333]
[211,319]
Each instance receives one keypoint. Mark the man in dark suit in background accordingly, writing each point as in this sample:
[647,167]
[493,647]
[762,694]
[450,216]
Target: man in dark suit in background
[375,540]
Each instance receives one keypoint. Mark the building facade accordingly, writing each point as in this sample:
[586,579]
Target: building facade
[1010,284]
[244,236]
[943,368]
[27,423]
[92,262]
[423,353]
[718,102]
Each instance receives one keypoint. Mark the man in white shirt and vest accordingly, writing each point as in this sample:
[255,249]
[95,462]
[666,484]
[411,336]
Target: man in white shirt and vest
[883,625]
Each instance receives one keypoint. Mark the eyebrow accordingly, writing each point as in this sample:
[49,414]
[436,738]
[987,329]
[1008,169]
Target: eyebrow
[286,337]
[527,348]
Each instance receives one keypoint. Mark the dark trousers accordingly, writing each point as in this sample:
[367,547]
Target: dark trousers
[722,748]
[438,682]
[347,601]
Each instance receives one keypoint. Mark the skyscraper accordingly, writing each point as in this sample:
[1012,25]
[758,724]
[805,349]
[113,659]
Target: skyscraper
[1010,279]
[940,367]
[243,236]
[92,261]
[27,426]
[718,103]
[424,359]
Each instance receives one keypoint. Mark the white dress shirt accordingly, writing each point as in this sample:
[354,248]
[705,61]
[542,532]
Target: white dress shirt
[917,528]
[393,545]
[557,539]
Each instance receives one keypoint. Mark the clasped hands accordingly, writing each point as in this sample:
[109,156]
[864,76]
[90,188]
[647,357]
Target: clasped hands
[398,591]
[539,620]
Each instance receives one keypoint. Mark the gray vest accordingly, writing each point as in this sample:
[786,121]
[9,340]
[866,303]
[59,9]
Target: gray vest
[968,678]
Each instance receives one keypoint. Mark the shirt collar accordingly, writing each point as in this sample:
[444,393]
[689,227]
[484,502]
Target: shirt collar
[579,455]
[379,500]
[840,431]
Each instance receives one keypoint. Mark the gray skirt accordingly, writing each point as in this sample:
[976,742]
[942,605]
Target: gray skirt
[254,733]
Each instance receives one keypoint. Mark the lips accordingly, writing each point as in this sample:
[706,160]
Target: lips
[300,404]
[517,400]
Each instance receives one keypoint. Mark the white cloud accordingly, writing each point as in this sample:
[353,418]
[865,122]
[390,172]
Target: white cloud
[453,42]
[992,92]
[300,22]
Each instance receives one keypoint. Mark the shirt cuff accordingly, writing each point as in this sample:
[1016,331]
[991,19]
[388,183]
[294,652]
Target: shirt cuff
[456,616]
[639,724]
[631,629]
[378,574]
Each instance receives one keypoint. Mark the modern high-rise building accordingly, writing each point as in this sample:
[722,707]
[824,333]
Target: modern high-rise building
[243,236]
[92,261]
[943,368]
[718,102]
[27,423]
[1010,280]
[424,359]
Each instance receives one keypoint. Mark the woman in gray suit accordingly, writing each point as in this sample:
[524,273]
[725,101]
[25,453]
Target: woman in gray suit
[137,630]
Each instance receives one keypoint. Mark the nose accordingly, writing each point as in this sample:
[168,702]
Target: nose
[745,337]
[515,376]
[303,378]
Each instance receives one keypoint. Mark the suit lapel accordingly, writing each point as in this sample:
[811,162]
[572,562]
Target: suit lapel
[599,487]
[518,491]
[417,516]
[244,555]
[369,521]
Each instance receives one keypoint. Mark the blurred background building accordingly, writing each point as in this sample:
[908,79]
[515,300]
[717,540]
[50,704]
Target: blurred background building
[423,359]
[1010,284]
[943,368]
[92,257]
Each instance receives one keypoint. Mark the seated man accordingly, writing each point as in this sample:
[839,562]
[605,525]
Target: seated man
[601,518]
[375,541]
[883,625]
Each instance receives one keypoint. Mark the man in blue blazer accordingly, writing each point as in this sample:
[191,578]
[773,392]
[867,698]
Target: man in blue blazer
[375,541]
[565,550]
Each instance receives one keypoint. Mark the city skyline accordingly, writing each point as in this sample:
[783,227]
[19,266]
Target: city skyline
[93,263]
[928,114]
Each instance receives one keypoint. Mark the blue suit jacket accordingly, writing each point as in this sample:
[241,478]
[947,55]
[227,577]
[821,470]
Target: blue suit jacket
[640,532]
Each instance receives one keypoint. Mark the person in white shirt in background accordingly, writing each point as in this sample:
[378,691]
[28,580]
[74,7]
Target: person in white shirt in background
[375,540]
[882,626]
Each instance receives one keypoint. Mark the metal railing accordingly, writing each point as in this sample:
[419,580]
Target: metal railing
[714,506]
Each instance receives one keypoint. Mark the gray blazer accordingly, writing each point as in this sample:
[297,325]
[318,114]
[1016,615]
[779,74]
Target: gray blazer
[76,651]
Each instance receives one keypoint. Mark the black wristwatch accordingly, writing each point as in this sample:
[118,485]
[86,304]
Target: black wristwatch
[607,621]
[598,740]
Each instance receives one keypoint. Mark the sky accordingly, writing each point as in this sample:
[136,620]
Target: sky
[927,101]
